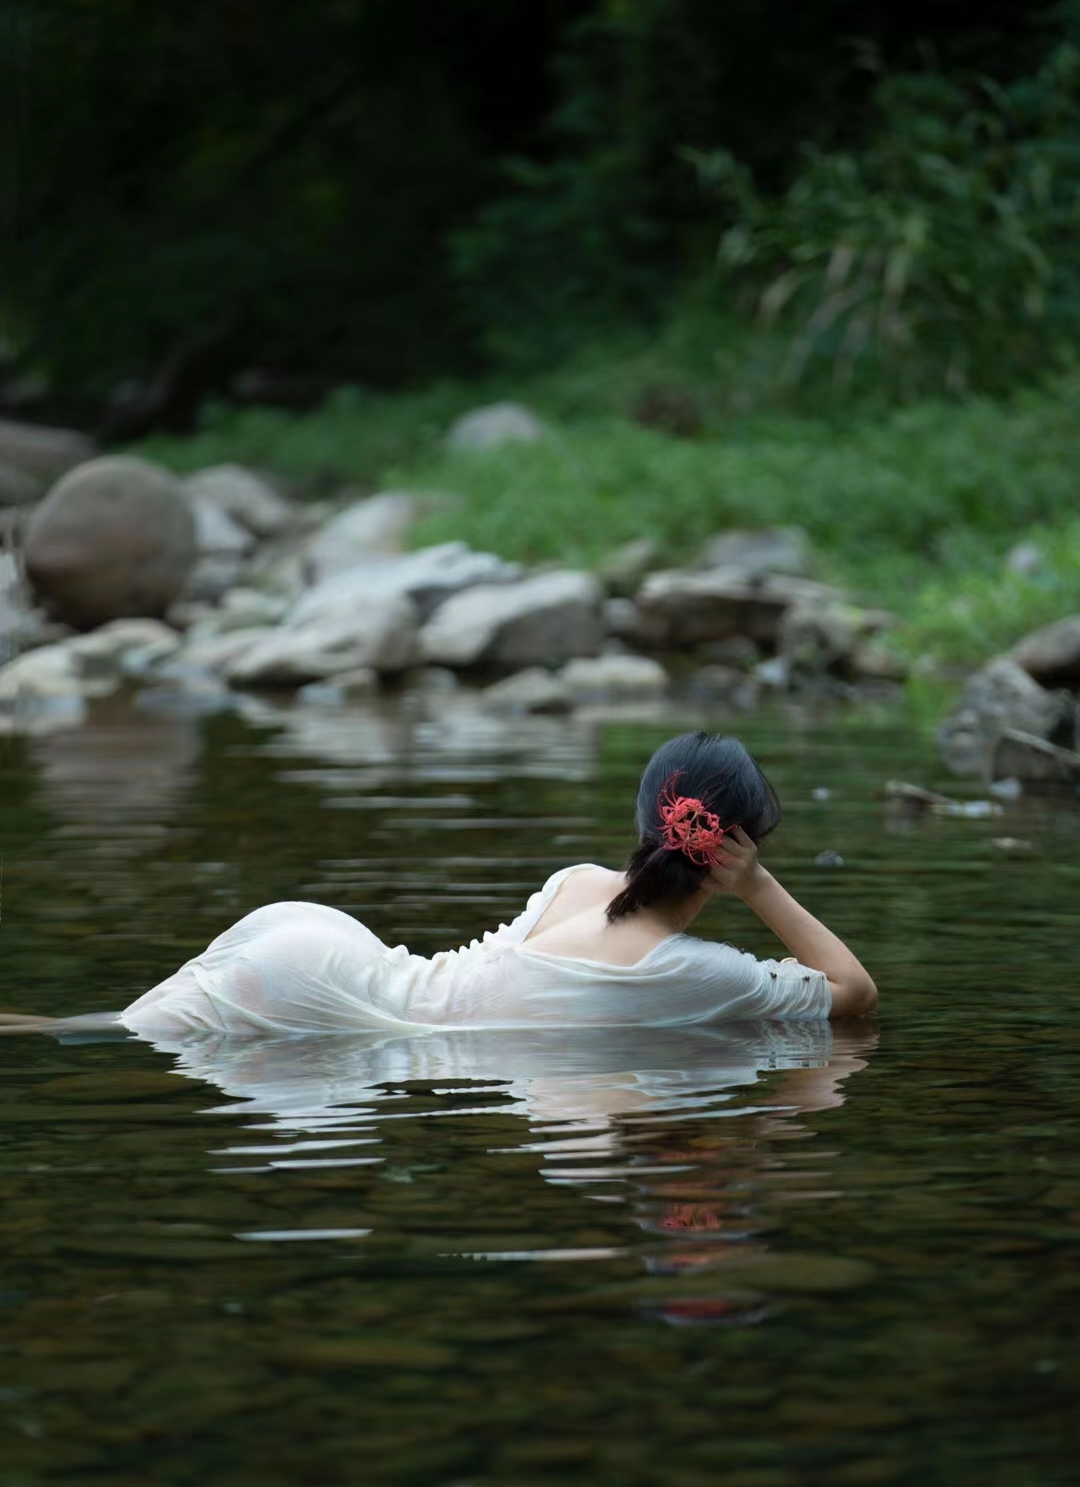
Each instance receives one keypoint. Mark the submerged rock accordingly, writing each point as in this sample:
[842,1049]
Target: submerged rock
[533,690]
[546,619]
[114,538]
[614,678]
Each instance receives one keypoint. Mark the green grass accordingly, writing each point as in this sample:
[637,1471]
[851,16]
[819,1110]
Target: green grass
[912,508]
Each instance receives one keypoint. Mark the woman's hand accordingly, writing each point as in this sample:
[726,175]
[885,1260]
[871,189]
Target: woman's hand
[737,871]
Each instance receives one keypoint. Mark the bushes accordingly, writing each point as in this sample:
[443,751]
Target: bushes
[942,256]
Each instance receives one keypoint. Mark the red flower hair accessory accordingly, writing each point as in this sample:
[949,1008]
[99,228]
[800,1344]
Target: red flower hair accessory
[688,827]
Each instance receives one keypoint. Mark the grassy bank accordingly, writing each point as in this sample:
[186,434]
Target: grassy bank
[914,508]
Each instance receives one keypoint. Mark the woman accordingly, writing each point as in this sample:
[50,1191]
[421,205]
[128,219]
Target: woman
[594,948]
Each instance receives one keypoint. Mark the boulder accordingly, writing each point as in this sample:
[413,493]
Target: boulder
[244,497]
[754,554]
[115,538]
[815,639]
[43,453]
[542,620]
[624,569]
[426,578]
[680,609]
[17,488]
[1052,654]
[726,685]
[998,697]
[615,678]
[383,637]
[1034,762]
[534,690]
[223,547]
[493,426]
[363,530]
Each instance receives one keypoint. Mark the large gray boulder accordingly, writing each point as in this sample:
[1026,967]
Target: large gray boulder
[382,637]
[426,578]
[1052,655]
[1000,697]
[542,620]
[223,547]
[41,452]
[246,498]
[494,426]
[679,609]
[615,678]
[363,530]
[115,538]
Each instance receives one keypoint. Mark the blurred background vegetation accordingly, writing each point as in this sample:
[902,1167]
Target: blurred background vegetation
[753,262]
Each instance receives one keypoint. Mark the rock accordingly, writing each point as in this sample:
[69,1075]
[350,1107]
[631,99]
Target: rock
[614,679]
[383,636]
[1024,559]
[905,799]
[873,662]
[755,554]
[213,652]
[621,619]
[1052,654]
[545,619]
[426,578]
[17,488]
[819,639]
[624,569]
[243,606]
[244,497]
[114,538]
[533,690]
[1034,762]
[362,530]
[124,646]
[725,684]
[689,609]
[346,686]
[223,547]
[998,697]
[493,426]
[43,453]
[47,689]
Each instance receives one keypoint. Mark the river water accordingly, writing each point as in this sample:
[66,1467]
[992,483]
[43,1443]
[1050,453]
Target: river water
[761,1256]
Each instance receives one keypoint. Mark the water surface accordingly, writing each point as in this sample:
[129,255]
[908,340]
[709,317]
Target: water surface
[759,1255]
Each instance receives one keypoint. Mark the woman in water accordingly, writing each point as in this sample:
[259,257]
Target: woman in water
[593,948]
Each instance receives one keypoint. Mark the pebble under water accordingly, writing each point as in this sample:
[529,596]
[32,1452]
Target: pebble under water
[752,1255]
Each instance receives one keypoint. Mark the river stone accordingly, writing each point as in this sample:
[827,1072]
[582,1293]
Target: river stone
[223,547]
[624,569]
[818,638]
[364,529]
[1051,655]
[1000,696]
[542,620]
[244,497]
[44,453]
[754,554]
[383,637]
[534,690]
[614,679]
[426,578]
[1033,761]
[114,538]
[679,609]
[493,426]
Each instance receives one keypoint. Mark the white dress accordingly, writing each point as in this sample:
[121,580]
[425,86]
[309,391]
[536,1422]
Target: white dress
[295,968]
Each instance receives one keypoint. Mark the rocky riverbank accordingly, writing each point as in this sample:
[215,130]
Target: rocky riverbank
[198,593]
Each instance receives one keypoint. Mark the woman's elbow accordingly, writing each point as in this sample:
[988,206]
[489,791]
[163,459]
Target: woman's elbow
[857,997]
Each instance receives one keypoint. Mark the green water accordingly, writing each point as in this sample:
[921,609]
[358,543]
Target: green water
[759,1256]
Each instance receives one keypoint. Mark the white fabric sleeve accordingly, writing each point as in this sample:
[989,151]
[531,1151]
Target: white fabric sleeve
[741,986]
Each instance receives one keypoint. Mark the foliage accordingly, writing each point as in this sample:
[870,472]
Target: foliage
[942,254]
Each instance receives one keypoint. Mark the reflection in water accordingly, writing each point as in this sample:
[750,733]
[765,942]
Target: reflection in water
[604,1110]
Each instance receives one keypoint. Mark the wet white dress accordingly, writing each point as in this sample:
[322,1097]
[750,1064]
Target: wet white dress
[296,968]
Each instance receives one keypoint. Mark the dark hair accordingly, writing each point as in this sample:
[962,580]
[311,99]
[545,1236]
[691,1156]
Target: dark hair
[726,779]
